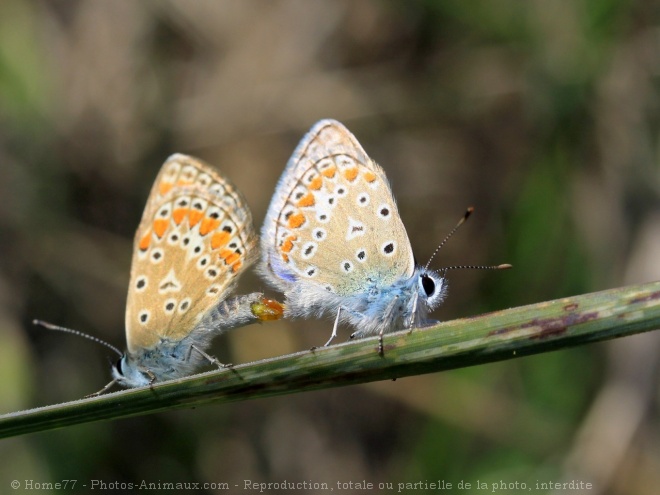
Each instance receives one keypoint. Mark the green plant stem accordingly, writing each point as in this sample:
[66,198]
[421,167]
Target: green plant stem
[506,334]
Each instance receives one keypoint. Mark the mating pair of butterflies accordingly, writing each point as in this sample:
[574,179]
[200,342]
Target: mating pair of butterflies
[332,241]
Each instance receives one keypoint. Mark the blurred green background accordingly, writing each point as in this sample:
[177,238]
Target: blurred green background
[543,115]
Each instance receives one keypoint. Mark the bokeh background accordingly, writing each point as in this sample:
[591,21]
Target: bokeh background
[544,115]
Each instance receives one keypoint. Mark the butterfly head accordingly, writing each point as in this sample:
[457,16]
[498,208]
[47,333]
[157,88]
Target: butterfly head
[127,374]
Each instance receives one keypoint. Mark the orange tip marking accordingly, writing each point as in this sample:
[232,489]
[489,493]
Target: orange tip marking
[316,183]
[194,217]
[229,256]
[351,174]
[307,200]
[165,187]
[145,241]
[179,214]
[287,245]
[329,172]
[160,226]
[369,176]
[219,239]
[208,224]
[295,221]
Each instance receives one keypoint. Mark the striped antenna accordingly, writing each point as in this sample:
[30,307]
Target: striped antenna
[468,212]
[504,266]
[50,326]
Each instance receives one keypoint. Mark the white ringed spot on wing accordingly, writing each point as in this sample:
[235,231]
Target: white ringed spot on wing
[203,180]
[388,248]
[308,250]
[184,305]
[311,271]
[169,306]
[213,290]
[143,316]
[172,170]
[182,202]
[199,204]
[319,234]
[156,255]
[298,193]
[203,262]
[323,216]
[174,238]
[346,266]
[346,161]
[384,211]
[164,211]
[188,173]
[141,283]
[229,202]
[217,189]
[211,272]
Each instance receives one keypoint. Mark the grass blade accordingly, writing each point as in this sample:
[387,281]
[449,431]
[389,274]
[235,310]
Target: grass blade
[497,336]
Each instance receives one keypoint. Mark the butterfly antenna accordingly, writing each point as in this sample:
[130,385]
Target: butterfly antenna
[50,326]
[468,212]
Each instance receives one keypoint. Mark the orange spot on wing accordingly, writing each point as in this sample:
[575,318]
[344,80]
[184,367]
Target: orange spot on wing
[145,241]
[237,266]
[219,239]
[351,174]
[194,217]
[179,214]
[160,226]
[369,176]
[229,256]
[316,183]
[287,245]
[164,188]
[285,257]
[183,183]
[307,200]
[296,220]
[329,172]
[208,224]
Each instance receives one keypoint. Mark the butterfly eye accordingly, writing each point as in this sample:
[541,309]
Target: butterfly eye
[428,285]
[118,366]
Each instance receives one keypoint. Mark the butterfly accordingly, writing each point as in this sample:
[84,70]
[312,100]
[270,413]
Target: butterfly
[334,243]
[195,239]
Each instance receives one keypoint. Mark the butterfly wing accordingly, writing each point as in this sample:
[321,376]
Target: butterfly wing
[195,238]
[333,221]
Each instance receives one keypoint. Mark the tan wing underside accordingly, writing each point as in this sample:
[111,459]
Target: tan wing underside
[195,238]
[337,188]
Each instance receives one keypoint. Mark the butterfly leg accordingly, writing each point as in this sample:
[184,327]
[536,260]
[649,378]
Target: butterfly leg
[210,358]
[334,328]
[381,350]
[413,315]
[387,317]
[96,394]
[152,377]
